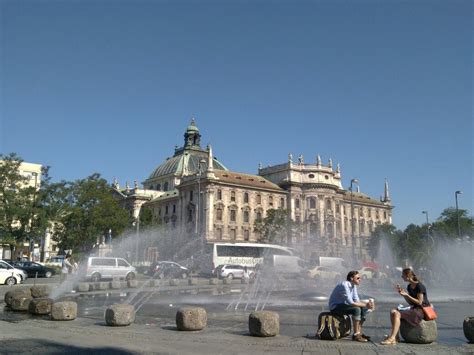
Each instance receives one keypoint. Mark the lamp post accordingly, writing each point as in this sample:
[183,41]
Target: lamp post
[31,239]
[353,181]
[457,211]
[198,204]
[137,224]
[427,220]
[428,227]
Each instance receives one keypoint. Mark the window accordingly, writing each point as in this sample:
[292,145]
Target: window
[122,262]
[328,205]
[384,214]
[103,262]
[270,201]
[190,215]
[311,176]
[259,216]
[174,208]
[166,209]
[232,196]
[246,197]
[219,233]
[158,187]
[369,212]
[190,195]
[282,202]
[297,203]
[232,215]
[312,202]
[246,235]
[219,214]
[259,199]
[232,234]
[219,194]
[246,216]
[165,187]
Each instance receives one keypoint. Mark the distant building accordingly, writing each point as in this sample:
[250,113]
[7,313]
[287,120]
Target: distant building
[197,196]
[31,171]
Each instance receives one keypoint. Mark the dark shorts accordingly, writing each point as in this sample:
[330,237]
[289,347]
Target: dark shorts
[357,313]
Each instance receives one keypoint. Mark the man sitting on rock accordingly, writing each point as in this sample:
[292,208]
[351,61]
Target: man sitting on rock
[344,300]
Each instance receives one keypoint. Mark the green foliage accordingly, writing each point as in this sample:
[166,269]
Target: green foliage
[277,227]
[88,211]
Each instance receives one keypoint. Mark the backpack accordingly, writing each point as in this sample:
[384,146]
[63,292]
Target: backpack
[332,327]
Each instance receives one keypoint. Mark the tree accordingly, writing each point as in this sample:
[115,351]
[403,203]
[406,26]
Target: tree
[276,227]
[446,225]
[91,211]
[20,216]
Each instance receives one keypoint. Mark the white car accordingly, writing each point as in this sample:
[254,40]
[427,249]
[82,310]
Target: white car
[231,271]
[324,273]
[10,275]
[370,273]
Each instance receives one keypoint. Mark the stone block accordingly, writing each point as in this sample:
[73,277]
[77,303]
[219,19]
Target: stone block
[40,306]
[40,291]
[120,315]
[191,318]
[174,282]
[102,285]
[213,281]
[83,287]
[154,283]
[468,328]
[64,310]
[227,281]
[115,285]
[14,293]
[132,283]
[424,333]
[21,302]
[264,323]
[192,282]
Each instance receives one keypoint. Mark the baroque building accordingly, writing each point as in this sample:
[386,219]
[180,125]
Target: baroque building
[196,196]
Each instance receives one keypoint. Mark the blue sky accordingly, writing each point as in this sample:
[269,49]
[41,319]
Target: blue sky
[382,87]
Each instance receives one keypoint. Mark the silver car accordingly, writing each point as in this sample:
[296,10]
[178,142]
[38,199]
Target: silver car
[98,268]
[231,271]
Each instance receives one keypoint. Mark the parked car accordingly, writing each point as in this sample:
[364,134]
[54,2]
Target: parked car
[216,271]
[34,269]
[370,273]
[231,271]
[98,268]
[55,261]
[324,273]
[10,275]
[168,269]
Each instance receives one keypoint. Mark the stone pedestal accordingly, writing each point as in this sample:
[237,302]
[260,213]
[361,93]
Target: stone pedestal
[468,328]
[20,302]
[264,324]
[115,285]
[132,283]
[192,282]
[40,306]
[227,281]
[174,282]
[83,287]
[120,315]
[64,310]
[15,293]
[424,333]
[191,318]
[213,281]
[40,291]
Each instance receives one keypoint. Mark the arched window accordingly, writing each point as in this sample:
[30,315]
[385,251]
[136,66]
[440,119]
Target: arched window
[246,216]
[219,214]
[165,186]
[158,187]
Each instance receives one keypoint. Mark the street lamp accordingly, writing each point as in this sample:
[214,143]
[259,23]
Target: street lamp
[137,224]
[457,211]
[353,181]
[427,220]
[198,205]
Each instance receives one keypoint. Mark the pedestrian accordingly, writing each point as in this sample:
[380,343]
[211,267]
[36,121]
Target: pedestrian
[246,275]
[345,300]
[67,267]
[416,297]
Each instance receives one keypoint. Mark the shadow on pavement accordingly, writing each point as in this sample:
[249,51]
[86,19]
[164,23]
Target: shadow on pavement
[41,346]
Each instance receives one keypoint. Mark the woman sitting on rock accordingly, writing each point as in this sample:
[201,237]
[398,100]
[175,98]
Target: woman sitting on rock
[416,297]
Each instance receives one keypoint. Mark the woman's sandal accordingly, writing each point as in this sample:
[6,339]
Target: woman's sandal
[389,341]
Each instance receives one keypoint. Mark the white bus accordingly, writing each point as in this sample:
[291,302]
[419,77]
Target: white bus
[246,254]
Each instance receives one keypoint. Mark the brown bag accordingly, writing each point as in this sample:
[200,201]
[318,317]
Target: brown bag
[430,313]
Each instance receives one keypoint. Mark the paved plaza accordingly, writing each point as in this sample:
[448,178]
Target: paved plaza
[154,330]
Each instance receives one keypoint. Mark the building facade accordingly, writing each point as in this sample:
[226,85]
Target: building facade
[198,197]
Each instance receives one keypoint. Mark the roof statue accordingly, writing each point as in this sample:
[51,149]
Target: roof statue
[318,160]
[338,168]
[386,195]
[330,163]
[290,158]
[301,159]
[135,185]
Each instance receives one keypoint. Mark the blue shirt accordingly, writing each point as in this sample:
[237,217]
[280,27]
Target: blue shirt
[344,293]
